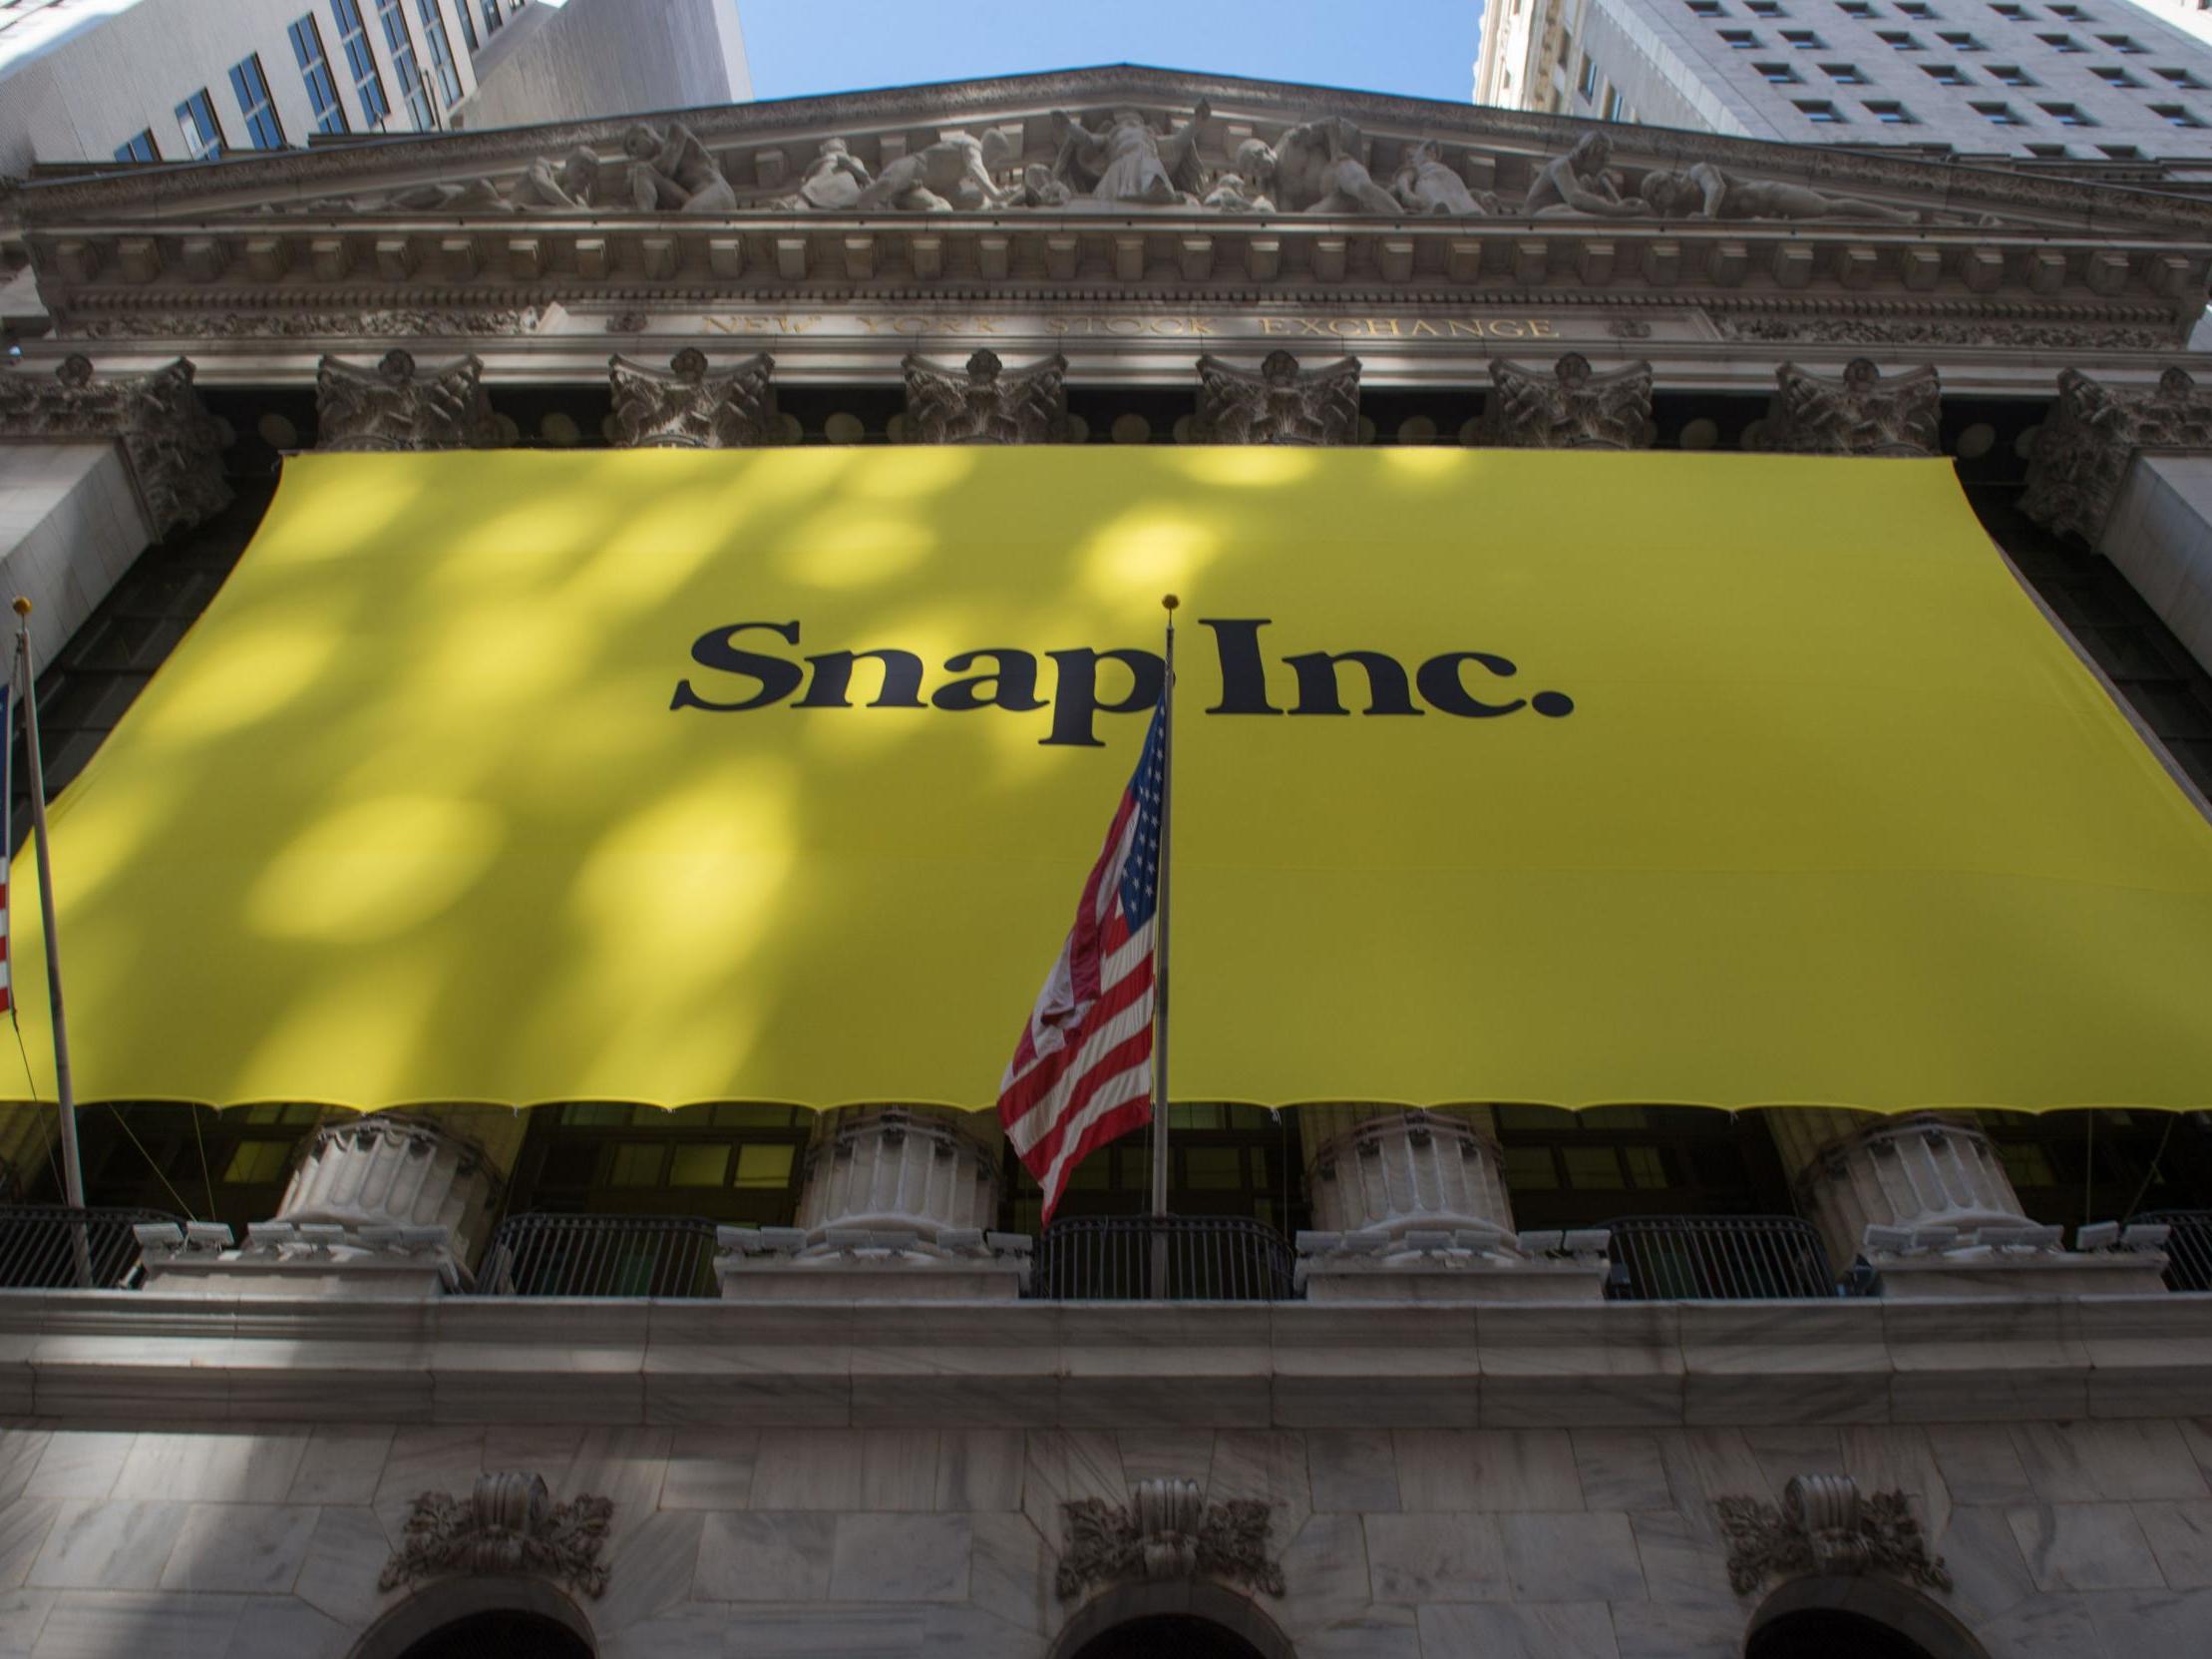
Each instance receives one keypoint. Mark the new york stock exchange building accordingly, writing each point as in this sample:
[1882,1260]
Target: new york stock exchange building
[584,668]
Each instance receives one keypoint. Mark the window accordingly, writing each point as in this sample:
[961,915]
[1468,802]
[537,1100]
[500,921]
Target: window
[2173,115]
[1891,114]
[2073,14]
[2113,77]
[2068,115]
[2048,152]
[2124,45]
[314,69]
[1897,39]
[2061,43]
[1997,115]
[1706,8]
[1958,41]
[1822,112]
[469,35]
[441,50]
[139,148]
[2012,75]
[1855,8]
[1918,12]
[1780,75]
[1741,40]
[2121,151]
[262,127]
[2011,14]
[1587,85]
[2179,78]
[491,17]
[368,80]
[1765,8]
[195,119]
[1612,104]
[1844,75]
[1946,75]
[1804,39]
[401,40]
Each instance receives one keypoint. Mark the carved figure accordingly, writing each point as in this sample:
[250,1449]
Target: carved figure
[1570,408]
[570,187]
[1167,1532]
[1825,1525]
[1578,185]
[389,408]
[1039,189]
[1231,193]
[834,178]
[1281,404]
[1705,192]
[955,172]
[986,405]
[1317,169]
[688,406]
[508,1523]
[474,194]
[1131,161]
[2093,431]
[675,173]
[1425,184]
[1859,414]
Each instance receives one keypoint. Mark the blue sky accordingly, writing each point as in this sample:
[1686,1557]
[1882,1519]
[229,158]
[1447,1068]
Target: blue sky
[1419,48]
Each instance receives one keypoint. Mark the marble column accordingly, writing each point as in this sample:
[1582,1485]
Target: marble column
[1412,1204]
[1938,1177]
[898,1201]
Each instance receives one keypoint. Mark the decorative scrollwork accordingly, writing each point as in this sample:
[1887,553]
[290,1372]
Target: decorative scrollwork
[1167,1531]
[1281,404]
[395,407]
[1860,413]
[1573,407]
[986,404]
[692,405]
[172,444]
[2083,451]
[1825,1525]
[508,1523]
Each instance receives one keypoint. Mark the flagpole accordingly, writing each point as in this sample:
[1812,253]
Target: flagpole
[73,1169]
[1160,968]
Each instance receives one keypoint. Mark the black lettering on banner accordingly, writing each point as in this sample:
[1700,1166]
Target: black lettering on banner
[1318,691]
[717,649]
[1441,685]
[833,678]
[1075,700]
[1243,672]
[1013,686]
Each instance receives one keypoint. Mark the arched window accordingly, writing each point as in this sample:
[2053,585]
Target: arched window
[501,1635]
[1822,1633]
[1168,1636]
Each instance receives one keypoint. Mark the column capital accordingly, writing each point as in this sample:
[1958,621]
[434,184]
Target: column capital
[1571,407]
[1859,412]
[396,405]
[171,446]
[2093,431]
[1280,403]
[691,404]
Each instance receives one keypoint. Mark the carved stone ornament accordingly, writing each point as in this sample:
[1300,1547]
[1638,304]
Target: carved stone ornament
[393,407]
[1281,404]
[1826,1525]
[1167,1532]
[298,325]
[692,405]
[508,1523]
[170,443]
[1573,407]
[2083,451]
[986,404]
[1859,413]
[1965,331]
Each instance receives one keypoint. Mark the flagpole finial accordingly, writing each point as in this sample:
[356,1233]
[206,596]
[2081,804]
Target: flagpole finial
[1168,602]
[22,606]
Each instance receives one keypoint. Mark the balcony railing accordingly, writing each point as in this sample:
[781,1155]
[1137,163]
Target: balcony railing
[600,1255]
[1695,1258]
[2188,1247]
[54,1247]
[1180,1258]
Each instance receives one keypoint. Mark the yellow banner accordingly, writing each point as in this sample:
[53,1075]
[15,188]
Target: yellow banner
[1543,777]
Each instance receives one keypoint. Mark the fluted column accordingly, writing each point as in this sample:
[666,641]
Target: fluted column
[1411,1205]
[393,1170]
[898,1201]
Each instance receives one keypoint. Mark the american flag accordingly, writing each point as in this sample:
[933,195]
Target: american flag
[1082,1074]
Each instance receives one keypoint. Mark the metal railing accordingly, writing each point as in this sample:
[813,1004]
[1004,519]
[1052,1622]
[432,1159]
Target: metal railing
[600,1255]
[1204,1258]
[1721,1258]
[38,1246]
[2188,1247]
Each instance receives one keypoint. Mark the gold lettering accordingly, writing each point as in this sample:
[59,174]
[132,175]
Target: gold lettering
[1273,325]
[721,325]
[1200,325]
[909,325]
[1167,326]
[1338,327]
[1375,326]
[1455,328]
[1424,326]
[1508,330]
[1543,330]
[1125,325]
[986,325]
[1306,326]
[796,325]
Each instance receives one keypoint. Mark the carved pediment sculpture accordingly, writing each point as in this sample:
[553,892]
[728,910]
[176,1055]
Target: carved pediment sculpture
[394,407]
[1859,413]
[955,172]
[508,1523]
[1426,184]
[691,405]
[1824,1524]
[674,172]
[172,445]
[1129,161]
[834,178]
[1316,168]
[1167,1532]
[1705,192]
[1573,407]
[574,184]
[1281,404]
[2083,451]
[1581,185]
[986,404]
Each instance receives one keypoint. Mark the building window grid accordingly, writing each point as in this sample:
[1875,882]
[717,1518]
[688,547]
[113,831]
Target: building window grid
[1706,8]
[252,88]
[2068,115]
[315,71]
[468,26]
[1898,40]
[1890,113]
[140,146]
[2125,45]
[1960,41]
[441,50]
[2012,75]
[2011,14]
[492,16]
[1999,115]
[1780,75]
[1845,75]
[2177,77]
[2175,115]
[1947,75]
[2112,76]
[1765,8]
[368,80]
[1918,12]
[1804,39]
[1586,85]
[401,41]
[2065,45]
[1860,9]
[203,133]
[1741,40]
[1821,111]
